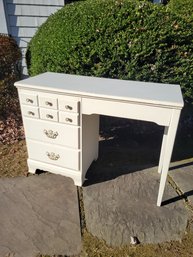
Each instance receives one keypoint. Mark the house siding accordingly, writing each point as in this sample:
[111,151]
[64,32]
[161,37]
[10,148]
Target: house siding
[23,17]
[3,22]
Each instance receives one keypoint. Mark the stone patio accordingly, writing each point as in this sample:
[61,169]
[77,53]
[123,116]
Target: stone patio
[39,214]
[182,174]
[125,207]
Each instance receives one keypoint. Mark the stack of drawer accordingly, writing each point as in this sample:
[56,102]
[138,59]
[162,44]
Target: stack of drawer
[52,128]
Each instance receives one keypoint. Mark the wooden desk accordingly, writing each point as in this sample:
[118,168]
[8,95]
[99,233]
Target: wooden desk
[61,118]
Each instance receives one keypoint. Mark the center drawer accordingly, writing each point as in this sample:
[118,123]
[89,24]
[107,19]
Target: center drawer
[52,132]
[56,155]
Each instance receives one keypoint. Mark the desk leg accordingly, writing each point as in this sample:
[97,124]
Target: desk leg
[163,149]
[169,143]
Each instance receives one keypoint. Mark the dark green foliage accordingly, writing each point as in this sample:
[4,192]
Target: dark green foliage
[125,39]
[182,7]
[10,57]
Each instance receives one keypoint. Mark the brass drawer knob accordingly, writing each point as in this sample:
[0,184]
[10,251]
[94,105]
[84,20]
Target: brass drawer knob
[28,100]
[49,103]
[50,133]
[49,116]
[31,113]
[68,120]
[53,156]
[68,107]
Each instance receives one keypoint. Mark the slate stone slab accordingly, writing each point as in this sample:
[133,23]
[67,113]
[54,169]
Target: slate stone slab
[39,214]
[125,206]
[182,174]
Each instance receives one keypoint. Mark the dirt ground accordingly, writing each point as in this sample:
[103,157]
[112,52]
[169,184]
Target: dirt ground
[13,159]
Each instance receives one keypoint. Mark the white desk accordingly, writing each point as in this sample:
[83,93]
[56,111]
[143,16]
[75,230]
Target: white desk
[61,119]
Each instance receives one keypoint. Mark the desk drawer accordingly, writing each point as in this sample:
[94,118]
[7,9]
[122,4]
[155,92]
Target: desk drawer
[68,105]
[69,118]
[29,111]
[159,115]
[48,102]
[56,155]
[29,99]
[52,132]
[47,114]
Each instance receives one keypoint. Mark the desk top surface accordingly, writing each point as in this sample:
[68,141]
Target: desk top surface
[112,89]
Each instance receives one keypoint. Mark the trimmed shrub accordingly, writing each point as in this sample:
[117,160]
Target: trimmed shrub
[125,39]
[182,7]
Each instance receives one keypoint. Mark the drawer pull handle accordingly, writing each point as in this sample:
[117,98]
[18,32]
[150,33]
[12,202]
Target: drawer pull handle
[28,100]
[49,103]
[68,107]
[31,113]
[68,120]
[53,156]
[49,116]
[50,133]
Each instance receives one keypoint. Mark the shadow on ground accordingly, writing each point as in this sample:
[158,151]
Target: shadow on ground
[130,146]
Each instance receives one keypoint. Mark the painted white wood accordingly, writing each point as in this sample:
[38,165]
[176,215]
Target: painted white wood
[75,175]
[90,138]
[135,100]
[24,65]
[37,2]
[123,90]
[144,112]
[26,21]
[69,118]
[170,138]
[24,71]
[68,105]
[55,155]
[22,41]
[163,148]
[29,98]
[23,51]
[47,114]
[48,102]
[23,61]
[25,10]
[30,111]
[32,167]
[52,132]
[3,21]
[23,31]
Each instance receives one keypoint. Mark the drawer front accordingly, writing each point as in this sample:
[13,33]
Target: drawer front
[68,105]
[56,155]
[29,111]
[47,114]
[48,102]
[29,99]
[69,118]
[53,133]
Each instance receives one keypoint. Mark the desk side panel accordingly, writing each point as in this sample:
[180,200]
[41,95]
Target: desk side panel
[90,139]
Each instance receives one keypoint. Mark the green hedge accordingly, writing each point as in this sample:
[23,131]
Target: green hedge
[125,39]
[182,7]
